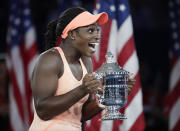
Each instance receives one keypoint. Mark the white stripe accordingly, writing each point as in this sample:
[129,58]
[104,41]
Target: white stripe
[19,74]
[15,119]
[132,64]
[175,75]
[106,125]
[30,37]
[132,112]
[113,39]
[88,123]
[31,66]
[8,62]
[174,115]
[124,33]
[18,68]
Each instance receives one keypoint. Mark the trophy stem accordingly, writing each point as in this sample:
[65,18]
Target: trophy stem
[112,113]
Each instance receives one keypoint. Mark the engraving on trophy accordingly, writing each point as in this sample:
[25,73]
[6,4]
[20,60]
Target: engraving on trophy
[115,90]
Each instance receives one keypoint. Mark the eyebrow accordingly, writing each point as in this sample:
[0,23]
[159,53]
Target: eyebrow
[88,26]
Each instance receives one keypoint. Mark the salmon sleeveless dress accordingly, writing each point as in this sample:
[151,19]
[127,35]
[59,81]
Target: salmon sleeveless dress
[70,119]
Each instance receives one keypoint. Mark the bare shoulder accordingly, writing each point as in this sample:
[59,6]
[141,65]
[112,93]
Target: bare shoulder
[88,63]
[49,60]
[46,73]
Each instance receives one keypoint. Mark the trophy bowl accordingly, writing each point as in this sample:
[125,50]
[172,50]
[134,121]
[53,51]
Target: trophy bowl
[115,94]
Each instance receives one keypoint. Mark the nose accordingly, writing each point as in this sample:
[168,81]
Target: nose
[97,36]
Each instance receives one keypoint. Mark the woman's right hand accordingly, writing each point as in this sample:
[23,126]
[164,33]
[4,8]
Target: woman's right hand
[91,84]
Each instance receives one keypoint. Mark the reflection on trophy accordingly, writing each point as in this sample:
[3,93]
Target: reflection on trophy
[115,94]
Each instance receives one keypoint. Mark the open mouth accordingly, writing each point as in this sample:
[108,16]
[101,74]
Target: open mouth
[92,45]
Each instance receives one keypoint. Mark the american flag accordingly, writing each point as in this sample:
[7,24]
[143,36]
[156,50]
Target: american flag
[173,97]
[117,37]
[22,52]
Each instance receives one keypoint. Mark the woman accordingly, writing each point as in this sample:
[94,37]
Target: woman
[62,80]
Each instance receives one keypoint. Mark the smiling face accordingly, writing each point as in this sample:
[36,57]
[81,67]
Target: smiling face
[86,39]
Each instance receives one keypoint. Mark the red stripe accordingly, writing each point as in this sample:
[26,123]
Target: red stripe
[177,126]
[172,97]
[126,52]
[27,55]
[105,32]
[135,90]
[17,94]
[116,124]
[139,124]
[95,124]
[31,52]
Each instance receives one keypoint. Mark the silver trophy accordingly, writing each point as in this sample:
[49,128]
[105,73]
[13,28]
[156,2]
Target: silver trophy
[115,94]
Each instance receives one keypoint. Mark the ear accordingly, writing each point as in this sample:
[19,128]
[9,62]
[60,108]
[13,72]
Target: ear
[72,34]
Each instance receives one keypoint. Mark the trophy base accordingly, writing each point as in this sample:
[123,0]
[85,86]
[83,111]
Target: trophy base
[113,117]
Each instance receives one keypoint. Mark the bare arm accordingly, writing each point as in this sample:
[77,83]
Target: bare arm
[91,107]
[44,84]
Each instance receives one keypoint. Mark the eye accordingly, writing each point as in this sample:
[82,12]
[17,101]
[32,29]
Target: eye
[98,30]
[91,30]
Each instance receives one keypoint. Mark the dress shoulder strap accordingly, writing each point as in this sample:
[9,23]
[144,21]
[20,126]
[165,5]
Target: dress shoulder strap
[62,56]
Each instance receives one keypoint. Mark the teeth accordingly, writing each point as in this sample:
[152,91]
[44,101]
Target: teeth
[95,43]
[93,49]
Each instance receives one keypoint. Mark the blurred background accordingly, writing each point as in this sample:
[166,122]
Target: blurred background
[152,35]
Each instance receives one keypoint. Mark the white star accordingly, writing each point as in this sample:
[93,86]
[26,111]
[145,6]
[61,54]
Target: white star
[13,32]
[173,25]
[26,23]
[17,21]
[11,17]
[122,7]
[176,45]
[172,15]
[175,35]
[26,11]
[98,6]
[8,38]
[112,8]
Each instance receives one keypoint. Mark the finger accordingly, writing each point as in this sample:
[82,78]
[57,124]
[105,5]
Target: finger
[88,78]
[131,81]
[129,91]
[130,86]
[94,88]
[101,106]
[104,81]
[92,82]
[98,103]
[100,90]
[130,74]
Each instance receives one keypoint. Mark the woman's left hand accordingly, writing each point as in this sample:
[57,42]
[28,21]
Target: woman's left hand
[130,84]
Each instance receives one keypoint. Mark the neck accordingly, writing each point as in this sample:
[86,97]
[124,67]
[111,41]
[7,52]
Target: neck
[72,55]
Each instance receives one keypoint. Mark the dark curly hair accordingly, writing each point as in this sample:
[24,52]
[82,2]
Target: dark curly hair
[55,27]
